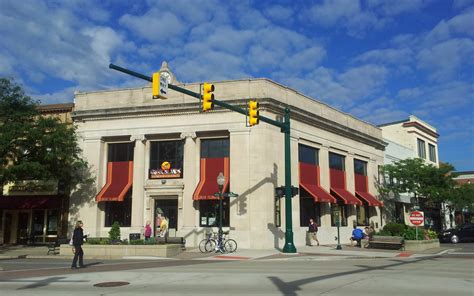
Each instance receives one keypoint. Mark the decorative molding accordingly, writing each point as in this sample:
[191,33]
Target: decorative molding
[185,135]
[140,138]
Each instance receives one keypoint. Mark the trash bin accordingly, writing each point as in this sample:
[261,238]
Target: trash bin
[134,236]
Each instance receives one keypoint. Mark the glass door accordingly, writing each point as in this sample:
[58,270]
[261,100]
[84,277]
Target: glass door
[167,208]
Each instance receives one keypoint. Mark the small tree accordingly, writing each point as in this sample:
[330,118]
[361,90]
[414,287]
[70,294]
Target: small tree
[114,233]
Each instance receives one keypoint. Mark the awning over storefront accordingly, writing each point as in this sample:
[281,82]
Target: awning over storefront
[361,190]
[29,202]
[209,170]
[119,181]
[309,181]
[338,187]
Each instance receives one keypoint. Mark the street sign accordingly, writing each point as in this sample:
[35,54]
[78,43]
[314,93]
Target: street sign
[163,86]
[417,218]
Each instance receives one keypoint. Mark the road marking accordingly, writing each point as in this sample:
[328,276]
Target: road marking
[232,257]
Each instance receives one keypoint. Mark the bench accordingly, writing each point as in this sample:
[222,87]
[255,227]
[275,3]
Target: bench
[379,241]
[54,246]
[172,240]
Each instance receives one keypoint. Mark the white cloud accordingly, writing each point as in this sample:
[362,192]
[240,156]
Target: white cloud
[395,56]
[444,60]
[279,13]
[154,25]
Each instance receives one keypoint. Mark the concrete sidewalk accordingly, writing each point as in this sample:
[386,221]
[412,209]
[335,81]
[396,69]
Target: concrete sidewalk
[326,252]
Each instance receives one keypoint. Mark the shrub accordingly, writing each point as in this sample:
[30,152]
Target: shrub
[137,242]
[410,234]
[97,241]
[432,234]
[395,229]
[384,232]
[114,233]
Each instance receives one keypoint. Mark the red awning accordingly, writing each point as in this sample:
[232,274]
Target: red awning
[30,202]
[369,198]
[119,181]
[346,196]
[209,170]
[361,190]
[338,187]
[309,181]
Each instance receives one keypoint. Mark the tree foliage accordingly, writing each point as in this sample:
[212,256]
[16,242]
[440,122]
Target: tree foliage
[33,147]
[413,175]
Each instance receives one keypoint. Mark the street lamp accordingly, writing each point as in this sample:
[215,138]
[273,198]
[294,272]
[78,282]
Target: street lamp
[338,224]
[220,184]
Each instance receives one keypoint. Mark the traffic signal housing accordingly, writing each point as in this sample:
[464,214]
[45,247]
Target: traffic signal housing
[155,85]
[207,97]
[253,113]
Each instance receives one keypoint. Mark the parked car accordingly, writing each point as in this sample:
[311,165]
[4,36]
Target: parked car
[462,233]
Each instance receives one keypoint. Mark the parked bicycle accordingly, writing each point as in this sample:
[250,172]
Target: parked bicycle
[211,243]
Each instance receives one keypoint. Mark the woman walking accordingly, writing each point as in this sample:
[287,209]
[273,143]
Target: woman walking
[77,241]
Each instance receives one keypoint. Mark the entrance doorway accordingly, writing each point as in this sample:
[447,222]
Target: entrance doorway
[169,209]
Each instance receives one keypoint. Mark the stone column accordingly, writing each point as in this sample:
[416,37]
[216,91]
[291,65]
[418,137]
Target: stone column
[186,212]
[138,192]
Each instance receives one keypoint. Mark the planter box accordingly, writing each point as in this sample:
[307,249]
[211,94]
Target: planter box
[421,245]
[119,251]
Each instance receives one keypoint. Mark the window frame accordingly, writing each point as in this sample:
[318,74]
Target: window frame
[156,160]
[209,205]
[421,148]
[343,214]
[432,152]
[119,208]
[336,164]
[308,154]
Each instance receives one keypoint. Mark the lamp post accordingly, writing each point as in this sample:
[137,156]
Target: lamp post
[220,184]
[338,224]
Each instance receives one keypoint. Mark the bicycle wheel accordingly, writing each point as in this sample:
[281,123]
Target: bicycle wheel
[202,245]
[230,246]
[210,245]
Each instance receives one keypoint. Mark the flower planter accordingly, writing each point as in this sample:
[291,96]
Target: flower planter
[421,245]
[119,251]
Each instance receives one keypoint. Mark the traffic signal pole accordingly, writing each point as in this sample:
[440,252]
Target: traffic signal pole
[284,127]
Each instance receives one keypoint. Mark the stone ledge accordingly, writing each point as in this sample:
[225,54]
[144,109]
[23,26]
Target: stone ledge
[421,245]
[119,251]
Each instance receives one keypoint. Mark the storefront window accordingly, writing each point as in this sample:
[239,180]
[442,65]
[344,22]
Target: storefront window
[338,212]
[38,222]
[336,161]
[362,215]
[52,223]
[120,152]
[277,212]
[309,209]
[211,148]
[209,212]
[163,152]
[120,211]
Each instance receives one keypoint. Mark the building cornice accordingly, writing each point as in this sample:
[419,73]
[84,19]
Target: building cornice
[266,104]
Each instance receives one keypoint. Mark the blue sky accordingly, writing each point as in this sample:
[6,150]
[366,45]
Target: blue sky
[377,60]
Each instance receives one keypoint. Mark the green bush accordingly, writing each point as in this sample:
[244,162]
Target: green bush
[432,234]
[410,234]
[97,241]
[384,232]
[93,241]
[395,229]
[137,242]
[114,233]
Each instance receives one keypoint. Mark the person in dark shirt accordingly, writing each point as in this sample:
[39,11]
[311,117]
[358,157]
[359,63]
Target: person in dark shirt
[312,232]
[77,242]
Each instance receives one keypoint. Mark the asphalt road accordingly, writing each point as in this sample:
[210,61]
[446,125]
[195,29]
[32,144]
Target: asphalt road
[442,275]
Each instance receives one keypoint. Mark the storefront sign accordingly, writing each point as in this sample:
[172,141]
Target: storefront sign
[31,187]
[166,172]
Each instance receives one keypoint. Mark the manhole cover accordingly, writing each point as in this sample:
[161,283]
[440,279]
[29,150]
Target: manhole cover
[111,284]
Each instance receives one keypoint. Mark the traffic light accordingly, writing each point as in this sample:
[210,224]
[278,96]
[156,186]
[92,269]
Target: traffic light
[207,97]
[253,113]
[155,85]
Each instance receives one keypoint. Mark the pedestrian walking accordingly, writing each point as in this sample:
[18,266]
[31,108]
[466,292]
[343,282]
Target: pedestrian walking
[77,242]
[164,227]
[147,230]
[313,232]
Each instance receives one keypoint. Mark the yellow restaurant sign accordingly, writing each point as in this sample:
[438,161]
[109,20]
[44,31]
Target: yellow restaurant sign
[31,187]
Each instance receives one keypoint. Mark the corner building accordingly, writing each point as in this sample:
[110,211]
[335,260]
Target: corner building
[153,157]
